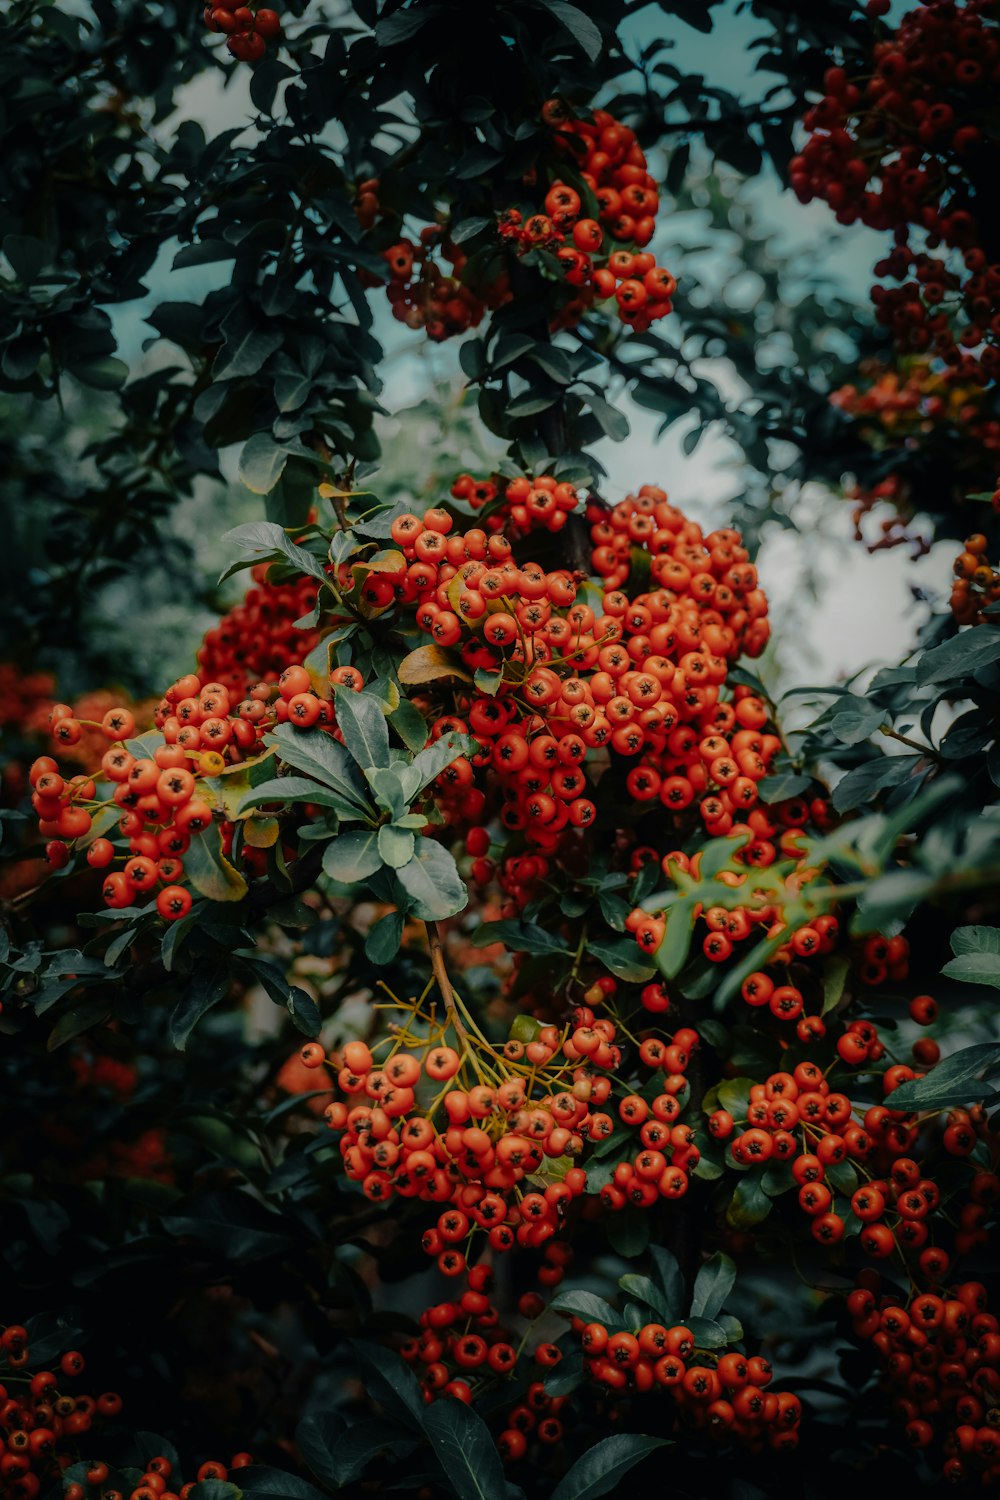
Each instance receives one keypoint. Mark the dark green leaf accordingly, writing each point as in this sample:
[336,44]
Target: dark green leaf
[602,1468]
[715,1280]
[465,1450]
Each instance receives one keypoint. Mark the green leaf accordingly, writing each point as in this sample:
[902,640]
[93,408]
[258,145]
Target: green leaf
[835,973]
[974,968]
[262,463]
[395,845]
[714,1282]
[392,786]
[708,1334]
[623,959]
[750,1204]
[246,350]
[583,31]
[733,1094]
[340,1455]
[467,229]
[463,1447]
[851,719]
[975,940]
[266,541]
[382,942]
[964,656]
[410,724]
[977,956]
[672,953]
[643,1289]
[106,374]
[206,987]
[862,784]
[90,1012]
[291,789]
[275,1484]
[431,880]
[208,870]
[601,1469]
[315,753]
[232,1223]
[957,1081]
[389,1381]
[613,423]
[390,31]
[669,1277]
[438,757]
[361,719]
[519,937]
[589,1306]
[352,857]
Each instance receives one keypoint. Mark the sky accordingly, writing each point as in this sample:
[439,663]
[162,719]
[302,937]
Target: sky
[864,614]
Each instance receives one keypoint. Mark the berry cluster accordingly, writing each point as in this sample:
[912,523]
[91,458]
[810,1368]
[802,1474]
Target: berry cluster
[977,582]
[257,639]
[601,256]
[422,295]
[829,1140]
[480,1141]
[461,1341]
[724,1395]
[939,1359]
[42,1424]
[247,32]
[160,791]
[525,505]
[914,409]
[641,681]
[901,152]
[501,1141]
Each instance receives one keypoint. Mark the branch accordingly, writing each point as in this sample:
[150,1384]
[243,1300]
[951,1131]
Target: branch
[435,944]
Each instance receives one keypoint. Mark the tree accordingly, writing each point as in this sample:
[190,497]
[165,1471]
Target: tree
[461,1039]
